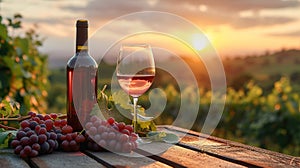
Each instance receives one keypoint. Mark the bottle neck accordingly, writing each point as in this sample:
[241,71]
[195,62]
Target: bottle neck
[81,39]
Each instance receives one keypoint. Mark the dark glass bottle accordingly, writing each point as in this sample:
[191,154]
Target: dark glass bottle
[81,80]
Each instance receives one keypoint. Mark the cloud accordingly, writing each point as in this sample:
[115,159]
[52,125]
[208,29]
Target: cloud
[203,13]
[260,21]
[240,5]
[295,34]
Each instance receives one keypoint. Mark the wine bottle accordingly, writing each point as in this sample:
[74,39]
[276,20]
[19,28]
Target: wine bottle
[81,80]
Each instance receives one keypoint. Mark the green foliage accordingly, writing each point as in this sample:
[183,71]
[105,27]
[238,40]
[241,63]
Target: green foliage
[6,137]
[269,121]
[23,69]
[9,109]
[119,106]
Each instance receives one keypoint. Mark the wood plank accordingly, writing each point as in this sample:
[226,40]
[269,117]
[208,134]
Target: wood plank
[127,160]
[186,157]
[65,160]
[233,150]
[10,160]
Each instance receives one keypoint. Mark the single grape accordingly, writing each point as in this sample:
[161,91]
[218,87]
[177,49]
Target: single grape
[26,129]
[40,116]
[112,143]
[63,122]
[20,134]
[111,120]
[72,143]
[111,135]
[37,119]
[74,135]
[25,141]
[53,136]
[57,123]
[115,127]
[46,117]
[129,128]
[29,133]
[33,153]
[69,137]
[80,138]
[104,135]
[67,129]
[88,125]
[36,146]
[33,124]
[134,144]
[23,154]
[45,147]
[97,137]
[126,147]
[101,129]
[27,149]
[14,143]
[94,118]
[37,129]
[25,124]
[65,145]
[102,143]
[49,124]
[97,123]
[121,126]
[105,123]
[53,115]
[51,143]
[62,137]
[125,131]
[133,137]
[33,138]
[32,114]
[18,149]
[92,130]
[42,131]
[123,138]
[42,138]
[48,135]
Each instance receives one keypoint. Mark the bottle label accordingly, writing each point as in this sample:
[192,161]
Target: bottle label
[82,48]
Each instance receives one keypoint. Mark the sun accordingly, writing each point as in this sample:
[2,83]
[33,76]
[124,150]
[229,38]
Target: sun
[199,41]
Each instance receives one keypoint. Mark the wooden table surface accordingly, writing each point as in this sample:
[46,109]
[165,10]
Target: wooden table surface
[193,150]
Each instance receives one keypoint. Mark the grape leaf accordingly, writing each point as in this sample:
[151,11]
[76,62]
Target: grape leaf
[121,109]
[6,137]
[163,136]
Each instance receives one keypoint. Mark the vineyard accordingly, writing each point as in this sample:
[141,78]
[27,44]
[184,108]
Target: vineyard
[252,115]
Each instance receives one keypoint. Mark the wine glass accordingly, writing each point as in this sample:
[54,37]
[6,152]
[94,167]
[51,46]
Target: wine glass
[135,72]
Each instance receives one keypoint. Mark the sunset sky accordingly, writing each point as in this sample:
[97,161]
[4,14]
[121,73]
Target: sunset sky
[234,27]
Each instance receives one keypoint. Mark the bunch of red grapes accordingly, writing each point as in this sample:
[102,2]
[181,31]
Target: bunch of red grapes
[42,134]
[110,135]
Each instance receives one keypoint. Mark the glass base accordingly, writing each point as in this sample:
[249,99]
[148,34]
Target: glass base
[143,140]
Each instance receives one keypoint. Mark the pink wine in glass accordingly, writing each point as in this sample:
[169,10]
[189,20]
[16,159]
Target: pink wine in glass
[135,85]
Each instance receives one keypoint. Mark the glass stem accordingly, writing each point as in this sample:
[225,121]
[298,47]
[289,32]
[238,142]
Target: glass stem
[135,99]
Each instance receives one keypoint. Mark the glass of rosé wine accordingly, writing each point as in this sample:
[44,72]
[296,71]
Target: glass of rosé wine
[135,72]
